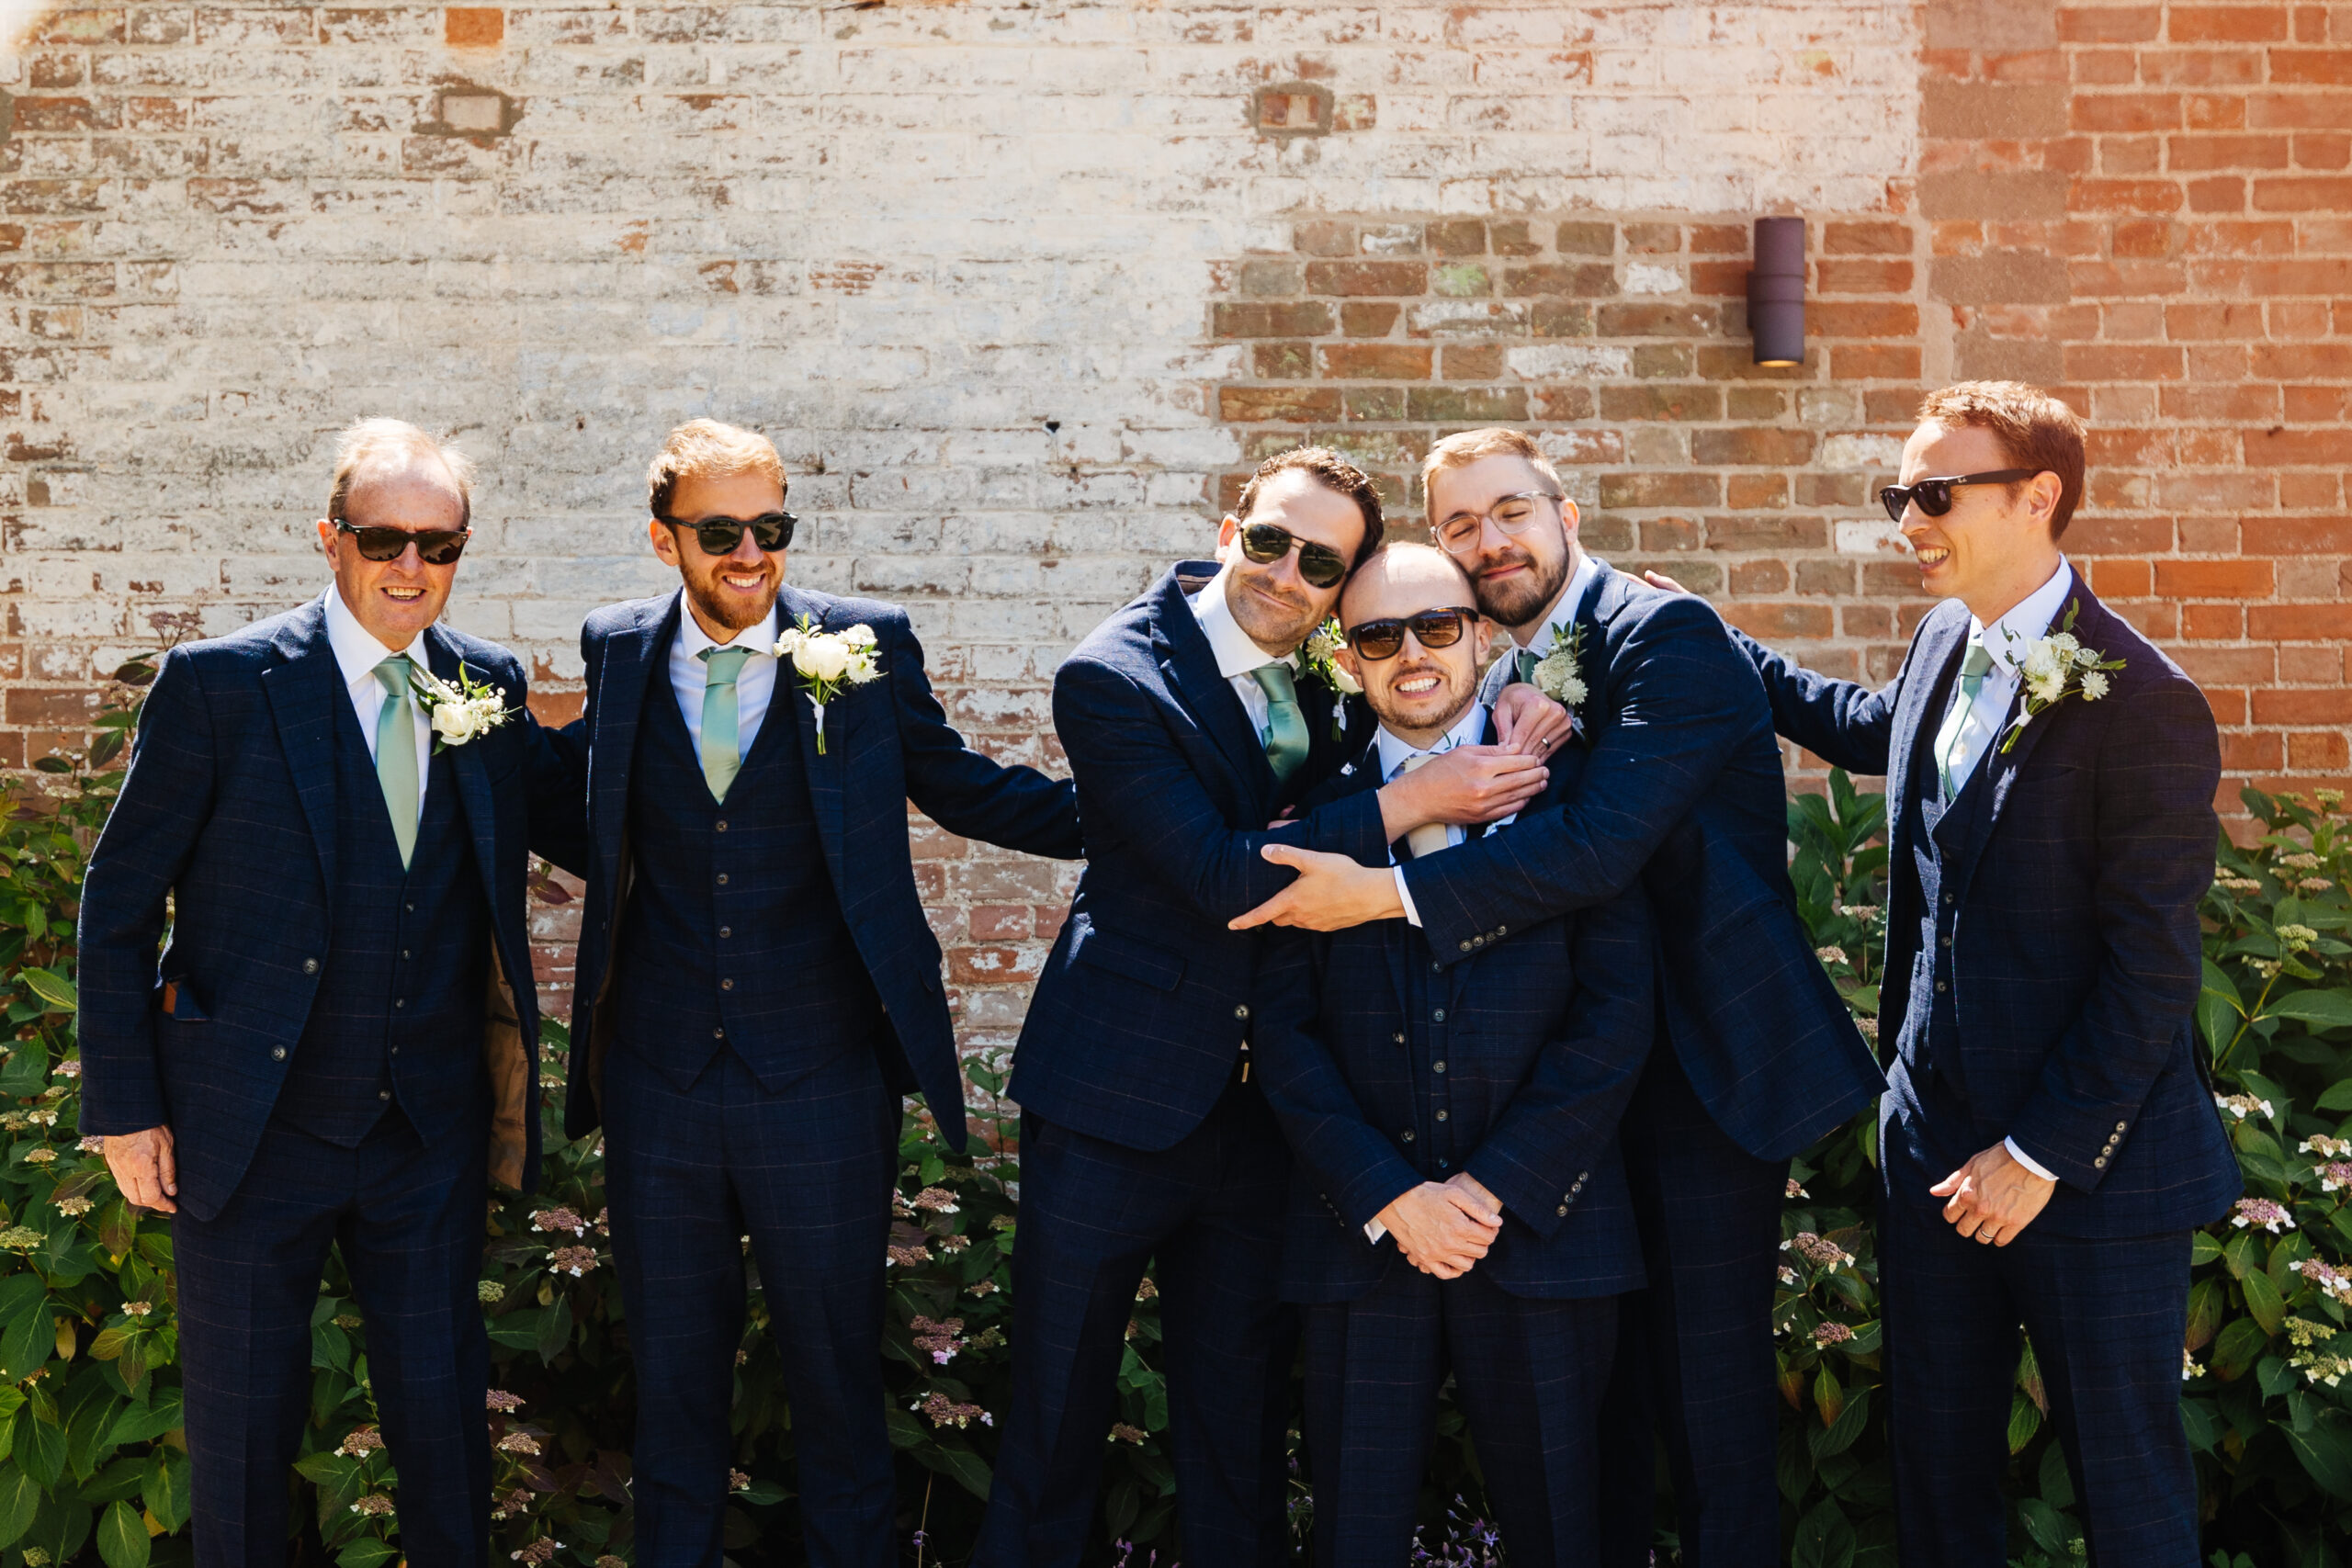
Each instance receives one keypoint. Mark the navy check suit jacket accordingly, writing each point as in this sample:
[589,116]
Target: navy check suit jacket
[1551,1027]
[2075,950]
[886,743]
[1682,792]
[229,810]
[1144,1001]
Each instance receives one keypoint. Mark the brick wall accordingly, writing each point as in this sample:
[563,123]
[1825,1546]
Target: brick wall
[1018,288]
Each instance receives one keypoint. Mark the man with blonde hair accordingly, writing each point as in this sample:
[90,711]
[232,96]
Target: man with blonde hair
[336,1047]
[1756,1057]
[757,986]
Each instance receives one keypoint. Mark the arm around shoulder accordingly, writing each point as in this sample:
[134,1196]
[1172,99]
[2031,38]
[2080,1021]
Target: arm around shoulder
[965,790]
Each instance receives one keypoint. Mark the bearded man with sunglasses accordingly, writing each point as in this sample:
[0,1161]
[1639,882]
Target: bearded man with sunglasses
[2049,1140]
[338,1044]
[757,989]
[1680,793]
[1189,723]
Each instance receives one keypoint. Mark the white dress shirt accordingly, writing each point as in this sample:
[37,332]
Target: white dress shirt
[2008,640]
[1237,656]
[754,685]
[357,654]
[1470,729]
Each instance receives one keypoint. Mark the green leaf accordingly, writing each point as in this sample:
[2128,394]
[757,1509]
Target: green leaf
[2337,1096]
[2203,1248]
[167,1492]
[366,1552]
[19,1500]
[53,988]
[2051,1529]
[2320,1009]
[2025,1420]
[2235,1347]
[41,1448]
[2262,1298]
[1848,1426]
[122,1537]
[2326,1452]
[1824,1539]
[961,1465]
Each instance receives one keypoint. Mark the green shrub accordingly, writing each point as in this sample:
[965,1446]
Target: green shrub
[93,1460]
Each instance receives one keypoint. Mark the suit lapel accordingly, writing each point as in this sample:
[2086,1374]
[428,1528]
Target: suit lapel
[1190,666]
[627,679]
[2000,770]
[304,685]
[828,794]
[467,767]
[1919,710]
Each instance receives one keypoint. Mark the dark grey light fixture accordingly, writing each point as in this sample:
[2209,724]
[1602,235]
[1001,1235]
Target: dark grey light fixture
[1776,291]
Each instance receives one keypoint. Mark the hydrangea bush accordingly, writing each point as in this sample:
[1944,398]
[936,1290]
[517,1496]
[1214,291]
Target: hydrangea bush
[93,1460]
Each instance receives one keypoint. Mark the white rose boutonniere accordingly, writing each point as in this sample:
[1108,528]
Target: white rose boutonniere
[1559,674]
[461,712]
[2057,667]
[829,663]
[1316,656]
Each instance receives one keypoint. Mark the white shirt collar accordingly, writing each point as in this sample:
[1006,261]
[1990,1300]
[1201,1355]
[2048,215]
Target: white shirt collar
[1470,729]
[1235,653]
[1565,607]
[2009,639]
[357,651]
[693,639]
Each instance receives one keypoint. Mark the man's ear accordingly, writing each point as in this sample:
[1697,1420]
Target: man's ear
[1482,641]
[1345,657]
[1569,517]
[664,542]
[2041,493]
[1227,530]
[327,539]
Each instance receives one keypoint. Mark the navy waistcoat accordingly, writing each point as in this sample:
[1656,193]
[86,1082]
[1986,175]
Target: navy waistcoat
[733,934]
[1941,834]
[398,1017]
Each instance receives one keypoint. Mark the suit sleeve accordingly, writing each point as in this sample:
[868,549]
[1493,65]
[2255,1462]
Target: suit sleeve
[965,790]
[2158,770]
[1353,1164]
[1562,1119]
[1846,723]
[1686,698]
[145,847]
[1140,788]
[555,780]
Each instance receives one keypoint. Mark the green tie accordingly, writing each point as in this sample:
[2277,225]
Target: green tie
[1949,748]
[1286,725]
[396,753]
[722,759]
[1527,663]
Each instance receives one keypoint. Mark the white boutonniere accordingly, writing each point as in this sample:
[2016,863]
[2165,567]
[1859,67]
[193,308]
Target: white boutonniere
[458,713]
[1559,674]
[1316,657]
[2057,667]
[829,663]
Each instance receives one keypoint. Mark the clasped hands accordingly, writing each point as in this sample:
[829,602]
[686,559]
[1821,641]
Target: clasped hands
[1444,1227]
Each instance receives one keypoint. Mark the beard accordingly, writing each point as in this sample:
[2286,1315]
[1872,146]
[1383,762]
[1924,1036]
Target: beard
[1455,690]
[1270,625]
[724,609]
[1519,602]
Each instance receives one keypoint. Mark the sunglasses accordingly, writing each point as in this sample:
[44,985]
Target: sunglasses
[435,546]
[1934,496]
[1376,640]
[720,536]
[1320,565]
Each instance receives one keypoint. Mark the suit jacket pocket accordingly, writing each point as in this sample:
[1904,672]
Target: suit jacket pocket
[1154,965]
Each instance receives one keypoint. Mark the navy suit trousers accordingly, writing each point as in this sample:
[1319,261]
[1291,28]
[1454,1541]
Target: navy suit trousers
[807,1173]
[1094,1214]
[2108,1319]
[1695,1349]
[408,1219]
[1530,1375]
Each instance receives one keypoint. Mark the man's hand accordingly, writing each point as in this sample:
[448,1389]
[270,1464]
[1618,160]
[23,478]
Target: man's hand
[145,1169]
[1461,1181]
[1441,1229]
[1530,723]
[1992,1197]
[1659,579]
[1466,785]
[1331,894]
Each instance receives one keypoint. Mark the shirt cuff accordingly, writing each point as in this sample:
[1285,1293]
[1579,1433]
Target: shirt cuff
[1373,1230]
[1405,897]
[2026,1159]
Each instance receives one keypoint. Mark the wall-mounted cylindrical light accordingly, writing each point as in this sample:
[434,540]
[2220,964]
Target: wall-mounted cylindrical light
[1776,291]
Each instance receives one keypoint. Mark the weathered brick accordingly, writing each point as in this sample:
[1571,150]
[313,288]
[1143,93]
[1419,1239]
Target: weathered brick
[1376,362]
[1346,279]
[1309,318]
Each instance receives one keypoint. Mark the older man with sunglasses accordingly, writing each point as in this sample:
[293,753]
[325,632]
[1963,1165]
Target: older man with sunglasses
[1190,721]
[1681,794]
[338,1044]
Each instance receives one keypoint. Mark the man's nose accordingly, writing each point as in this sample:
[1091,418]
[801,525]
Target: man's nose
[747,552]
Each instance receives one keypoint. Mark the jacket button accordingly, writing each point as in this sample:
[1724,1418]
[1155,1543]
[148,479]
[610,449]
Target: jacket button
[1947,900]
[718,1035]
[726,931]
[277,1053]
[2099,1163]
[1942,986]
[1241,1012]
[1502,930]
[403,952]
[310,967]
[1440,1115]
[1435,968]
[1400,1040]
[396,1051]
[1437,1067]
[722,879]
[400,1002]
[727,985]
[1406,1134]
[383,1094]
[1562,1210]
[719,826]
[2119,1126]
[1465,947]
[1943,941]
[1438,1017]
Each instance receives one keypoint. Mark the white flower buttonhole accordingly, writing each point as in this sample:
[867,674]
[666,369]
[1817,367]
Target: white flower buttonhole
[829,663]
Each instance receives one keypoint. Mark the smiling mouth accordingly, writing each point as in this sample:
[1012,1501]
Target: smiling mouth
[403,594]
[1417,685]
[1931,555]
[743,584]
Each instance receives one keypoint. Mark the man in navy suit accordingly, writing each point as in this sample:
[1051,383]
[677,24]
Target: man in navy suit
[338,1046]
[1459,1205]
[1680,792]
[2049,1141]
[758,986]
[1191,722]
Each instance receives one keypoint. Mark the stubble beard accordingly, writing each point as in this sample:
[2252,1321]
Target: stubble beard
[1265,626]
[1518,604]
[725,610]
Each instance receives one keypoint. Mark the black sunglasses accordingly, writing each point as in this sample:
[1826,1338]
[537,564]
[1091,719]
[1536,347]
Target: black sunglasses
[1934,496]
[1320,565]
[719,536]
[1376,640]
[435,546]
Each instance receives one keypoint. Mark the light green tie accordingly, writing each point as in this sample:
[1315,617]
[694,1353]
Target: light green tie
[1286,741]
[396,753]
[1973,667]
[1527,663]
[722,757]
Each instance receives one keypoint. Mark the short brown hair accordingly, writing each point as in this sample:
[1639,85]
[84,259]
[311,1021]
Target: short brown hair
[1465,447]
[371,441]
[2035,429]
[1334,473]
[703,448]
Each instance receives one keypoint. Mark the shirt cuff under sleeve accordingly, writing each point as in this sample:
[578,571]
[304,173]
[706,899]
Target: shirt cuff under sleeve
[1405,897]
[1373,1230]
[2026,1159]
